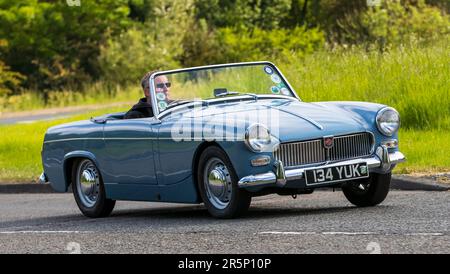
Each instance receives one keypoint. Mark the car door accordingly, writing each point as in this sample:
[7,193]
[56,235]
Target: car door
[129,157]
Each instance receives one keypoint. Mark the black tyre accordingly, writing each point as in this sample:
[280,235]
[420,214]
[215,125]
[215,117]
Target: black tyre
[369,192]
[89,191]
[217,183]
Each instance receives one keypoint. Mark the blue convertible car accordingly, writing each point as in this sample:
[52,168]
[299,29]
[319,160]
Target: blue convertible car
[221,135]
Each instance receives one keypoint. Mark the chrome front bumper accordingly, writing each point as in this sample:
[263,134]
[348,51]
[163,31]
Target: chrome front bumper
[383,161]
[43,178]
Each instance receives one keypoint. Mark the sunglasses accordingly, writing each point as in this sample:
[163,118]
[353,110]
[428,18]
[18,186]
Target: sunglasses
[162,85]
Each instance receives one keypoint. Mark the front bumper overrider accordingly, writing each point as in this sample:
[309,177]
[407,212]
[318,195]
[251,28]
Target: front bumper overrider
[382,161]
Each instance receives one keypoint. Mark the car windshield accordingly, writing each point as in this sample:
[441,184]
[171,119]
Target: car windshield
[178,87]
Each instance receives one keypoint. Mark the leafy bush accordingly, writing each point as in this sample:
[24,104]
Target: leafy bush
[205,46]
[264,14]
[264,44]
[152,45]
[394,22]
[54,44]
[9,80]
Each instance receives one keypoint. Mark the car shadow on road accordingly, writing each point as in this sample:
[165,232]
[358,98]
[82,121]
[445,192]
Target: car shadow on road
[177,215]
[200,213]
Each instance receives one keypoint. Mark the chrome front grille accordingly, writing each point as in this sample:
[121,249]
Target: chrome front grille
[310,152]
[351,146]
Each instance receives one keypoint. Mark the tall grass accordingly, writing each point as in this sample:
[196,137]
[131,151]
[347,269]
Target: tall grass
[414,80]
[93,93]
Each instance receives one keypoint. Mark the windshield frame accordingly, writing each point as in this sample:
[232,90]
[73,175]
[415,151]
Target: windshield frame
[156,74]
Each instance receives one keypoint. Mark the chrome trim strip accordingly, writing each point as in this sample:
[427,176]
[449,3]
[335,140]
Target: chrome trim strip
[397,157]
[264,179]
[383,154]
[72,139]
[151,83]
[280,174]
[135,139]
[43,178]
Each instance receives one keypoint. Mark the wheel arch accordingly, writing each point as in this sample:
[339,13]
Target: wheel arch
[198,152]
[73,156]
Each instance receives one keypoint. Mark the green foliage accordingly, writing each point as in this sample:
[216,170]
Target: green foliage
[153,45]
[395,22]
[203,46]
[265,14]
[9,80]
[57,47]
[200,46]
[54,44]
[269,44]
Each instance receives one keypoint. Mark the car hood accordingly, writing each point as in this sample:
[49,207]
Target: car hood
[312,121]
[290,119]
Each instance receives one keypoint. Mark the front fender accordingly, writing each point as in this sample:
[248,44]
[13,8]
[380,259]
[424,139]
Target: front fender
[240,157]
[67,165]
[367,112]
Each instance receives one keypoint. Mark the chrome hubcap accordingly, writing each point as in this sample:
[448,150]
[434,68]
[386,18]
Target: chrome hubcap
[217,183]
[361,187]
[88,183]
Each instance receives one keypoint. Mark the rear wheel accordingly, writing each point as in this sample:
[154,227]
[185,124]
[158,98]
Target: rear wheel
[217,182]
[89,191]
[369,192]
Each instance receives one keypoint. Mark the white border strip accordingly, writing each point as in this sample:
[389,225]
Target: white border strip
[45,232]
[348,233]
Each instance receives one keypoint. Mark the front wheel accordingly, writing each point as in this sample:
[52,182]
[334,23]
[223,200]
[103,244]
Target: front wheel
[217,182]
[369,192]
[89,191]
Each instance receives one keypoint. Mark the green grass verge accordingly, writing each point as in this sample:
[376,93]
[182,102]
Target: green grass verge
[20,149]
[21,145]
[93,94]
[426,151]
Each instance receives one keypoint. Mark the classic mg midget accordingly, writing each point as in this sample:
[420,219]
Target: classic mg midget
[221,135]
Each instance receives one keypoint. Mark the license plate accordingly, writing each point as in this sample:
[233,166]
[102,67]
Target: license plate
[336,174]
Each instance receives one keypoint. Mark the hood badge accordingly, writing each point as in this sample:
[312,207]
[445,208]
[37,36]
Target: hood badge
[328,142]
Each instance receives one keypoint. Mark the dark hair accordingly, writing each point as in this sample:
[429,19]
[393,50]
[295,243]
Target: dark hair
[144,81]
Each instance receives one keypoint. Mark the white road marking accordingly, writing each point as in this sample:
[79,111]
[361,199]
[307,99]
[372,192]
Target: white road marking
[288,233]
[424,234]
[347,233]
[44,232]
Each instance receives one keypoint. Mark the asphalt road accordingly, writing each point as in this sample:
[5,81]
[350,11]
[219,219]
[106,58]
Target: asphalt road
[36,118]
[323,222]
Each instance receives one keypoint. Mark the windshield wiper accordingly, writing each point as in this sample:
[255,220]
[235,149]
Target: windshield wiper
[224,92]
[183,102]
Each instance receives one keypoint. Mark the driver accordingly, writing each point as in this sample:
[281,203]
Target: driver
[143,108]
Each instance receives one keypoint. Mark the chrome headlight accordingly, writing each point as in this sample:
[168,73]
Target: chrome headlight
[259,139]
[388,121]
